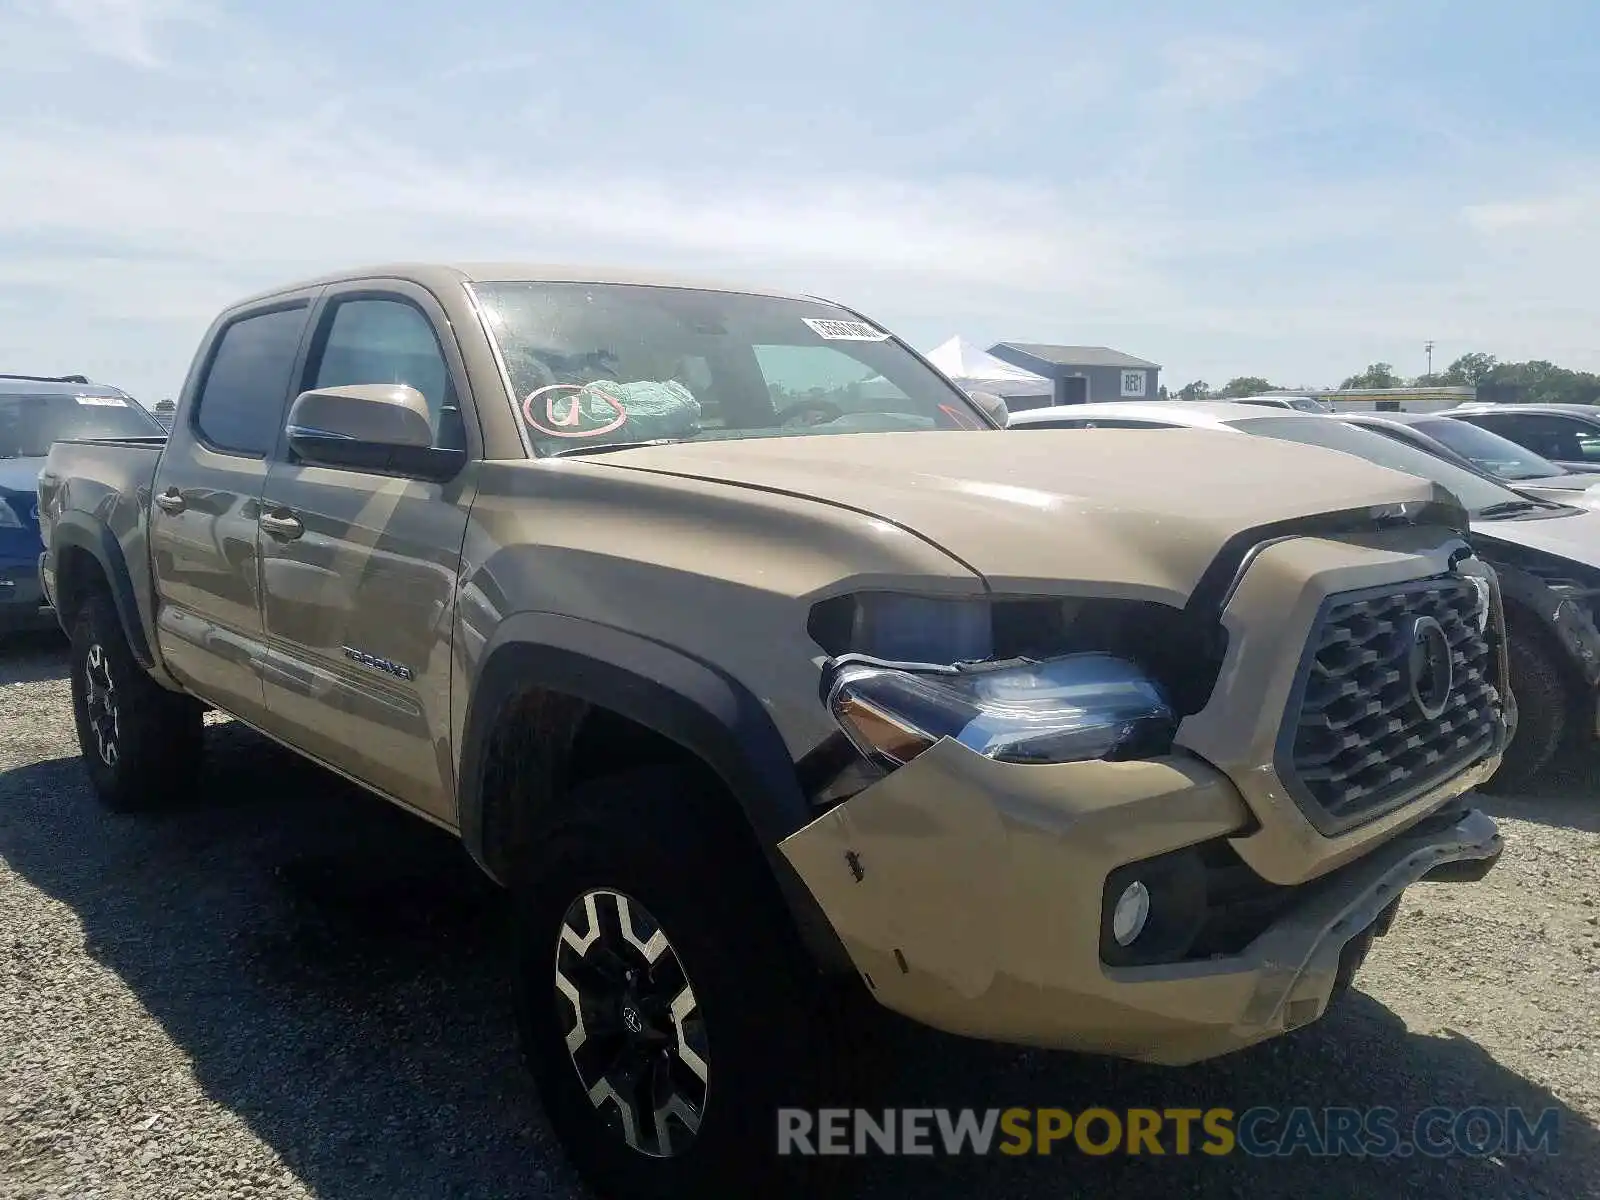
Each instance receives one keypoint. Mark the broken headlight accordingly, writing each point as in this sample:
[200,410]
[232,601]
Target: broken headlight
[1067,709]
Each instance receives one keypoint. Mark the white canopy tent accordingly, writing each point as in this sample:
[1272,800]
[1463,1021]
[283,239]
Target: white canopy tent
[976,370]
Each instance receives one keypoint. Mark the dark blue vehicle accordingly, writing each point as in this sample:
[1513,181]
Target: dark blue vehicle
[34,412]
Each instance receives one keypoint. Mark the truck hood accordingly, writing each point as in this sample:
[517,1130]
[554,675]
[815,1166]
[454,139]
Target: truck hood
[1130,511]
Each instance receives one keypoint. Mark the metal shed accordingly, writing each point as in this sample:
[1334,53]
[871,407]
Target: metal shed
[1085,374]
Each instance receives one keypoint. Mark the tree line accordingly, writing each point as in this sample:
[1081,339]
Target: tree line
[1534,382]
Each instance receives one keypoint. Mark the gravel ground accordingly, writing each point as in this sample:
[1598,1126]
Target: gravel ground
[293,991]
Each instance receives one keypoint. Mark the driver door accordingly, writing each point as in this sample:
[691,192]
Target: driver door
[359,568]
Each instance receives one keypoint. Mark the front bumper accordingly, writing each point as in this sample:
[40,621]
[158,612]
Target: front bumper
[968,894]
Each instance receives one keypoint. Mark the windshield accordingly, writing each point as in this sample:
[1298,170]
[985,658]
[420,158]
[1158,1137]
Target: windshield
[1475,492]
[597,364]
[1499,456]
[28,424]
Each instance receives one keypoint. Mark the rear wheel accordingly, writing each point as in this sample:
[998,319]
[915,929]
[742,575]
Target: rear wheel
[140,743]
[1543,702]
[664,1005]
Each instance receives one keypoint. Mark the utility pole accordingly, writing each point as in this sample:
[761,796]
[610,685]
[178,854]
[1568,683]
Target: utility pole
[1428,346]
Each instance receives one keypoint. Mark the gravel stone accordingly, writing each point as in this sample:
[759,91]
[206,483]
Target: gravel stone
[292,990]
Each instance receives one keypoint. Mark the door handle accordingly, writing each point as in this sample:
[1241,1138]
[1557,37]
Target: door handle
[171,501]
[281,525]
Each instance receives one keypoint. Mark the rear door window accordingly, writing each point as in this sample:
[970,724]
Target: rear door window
[240,407]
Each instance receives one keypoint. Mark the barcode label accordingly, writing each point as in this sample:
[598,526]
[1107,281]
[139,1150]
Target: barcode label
[845,331]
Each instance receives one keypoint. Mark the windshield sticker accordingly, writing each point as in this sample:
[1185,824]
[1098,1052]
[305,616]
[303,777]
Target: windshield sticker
[99,401]
[559,410]
[845,331]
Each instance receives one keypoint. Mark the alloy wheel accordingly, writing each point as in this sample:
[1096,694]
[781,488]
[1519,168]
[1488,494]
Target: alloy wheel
[100,699]
[636,1035]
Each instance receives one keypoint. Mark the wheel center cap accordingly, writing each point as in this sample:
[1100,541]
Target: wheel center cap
[632,1019]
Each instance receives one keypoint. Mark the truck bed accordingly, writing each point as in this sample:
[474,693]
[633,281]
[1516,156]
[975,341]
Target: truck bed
[109,480]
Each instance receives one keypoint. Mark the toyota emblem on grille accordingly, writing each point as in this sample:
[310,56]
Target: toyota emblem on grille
[1430,668]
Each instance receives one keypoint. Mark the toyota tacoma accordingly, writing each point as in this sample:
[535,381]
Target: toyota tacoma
[770,682]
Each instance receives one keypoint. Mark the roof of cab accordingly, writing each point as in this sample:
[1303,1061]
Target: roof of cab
[436,277]
[1577,410]
[45,385]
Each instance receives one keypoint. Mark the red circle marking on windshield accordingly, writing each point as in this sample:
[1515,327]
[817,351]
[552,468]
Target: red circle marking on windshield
[561,426]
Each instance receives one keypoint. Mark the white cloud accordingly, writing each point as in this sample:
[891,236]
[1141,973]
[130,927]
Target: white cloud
[1209,71]
[170,192]
[125,30]
[1561,212]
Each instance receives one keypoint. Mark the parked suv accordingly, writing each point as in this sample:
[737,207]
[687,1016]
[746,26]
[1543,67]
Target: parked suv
[772,680]
[34,412]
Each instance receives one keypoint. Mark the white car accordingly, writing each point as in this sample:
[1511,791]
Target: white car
[1308,404]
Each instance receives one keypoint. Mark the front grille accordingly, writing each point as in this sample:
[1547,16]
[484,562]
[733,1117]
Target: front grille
[1358,741]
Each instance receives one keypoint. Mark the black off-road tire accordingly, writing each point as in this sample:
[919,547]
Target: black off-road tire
[1544,700]
[141,743]
[773,1032]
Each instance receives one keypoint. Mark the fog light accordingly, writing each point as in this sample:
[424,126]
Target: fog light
[1130,914]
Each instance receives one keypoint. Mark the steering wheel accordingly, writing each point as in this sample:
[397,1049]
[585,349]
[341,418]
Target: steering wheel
[826,410]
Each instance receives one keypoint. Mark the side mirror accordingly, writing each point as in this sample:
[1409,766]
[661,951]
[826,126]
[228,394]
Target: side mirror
[379,427]
[993,405]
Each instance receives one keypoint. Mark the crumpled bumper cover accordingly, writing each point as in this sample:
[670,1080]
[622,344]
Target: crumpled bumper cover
[968,893]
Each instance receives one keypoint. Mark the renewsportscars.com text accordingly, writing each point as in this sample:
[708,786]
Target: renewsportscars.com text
[1478,1132]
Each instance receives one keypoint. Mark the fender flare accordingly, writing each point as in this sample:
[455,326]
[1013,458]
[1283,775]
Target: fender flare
[687,701]
[1574,635]
[80,531]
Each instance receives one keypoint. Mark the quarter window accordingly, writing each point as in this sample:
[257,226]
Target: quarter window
[240,406]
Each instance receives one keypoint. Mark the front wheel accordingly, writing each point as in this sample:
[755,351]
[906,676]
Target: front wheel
[140,743]
[664,1006]
[1543,700]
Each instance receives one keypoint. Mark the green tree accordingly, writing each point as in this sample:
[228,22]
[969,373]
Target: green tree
[1198,390]
[1246,385]
[1377,375]
[1541,382]
[166,406]
[1469,369]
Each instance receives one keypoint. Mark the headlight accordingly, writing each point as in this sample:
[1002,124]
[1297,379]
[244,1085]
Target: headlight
[1482,587]
[8,516]
[1069,709]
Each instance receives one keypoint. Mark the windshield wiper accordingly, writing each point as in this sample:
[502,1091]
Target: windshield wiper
[1507,508]
[606,447]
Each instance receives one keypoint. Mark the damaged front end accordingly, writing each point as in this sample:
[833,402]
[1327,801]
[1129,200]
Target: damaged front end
[1102,824]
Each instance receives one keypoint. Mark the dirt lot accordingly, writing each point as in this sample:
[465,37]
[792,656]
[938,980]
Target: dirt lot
[293,991]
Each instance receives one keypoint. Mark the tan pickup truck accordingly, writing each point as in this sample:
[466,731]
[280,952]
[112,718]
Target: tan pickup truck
[757,665]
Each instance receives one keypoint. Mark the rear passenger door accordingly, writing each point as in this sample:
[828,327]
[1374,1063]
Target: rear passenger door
[359,568]
[203,515]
